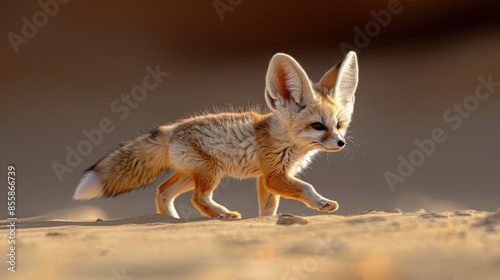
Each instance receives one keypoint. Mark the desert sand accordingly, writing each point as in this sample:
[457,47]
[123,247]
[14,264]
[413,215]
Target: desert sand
[372,245]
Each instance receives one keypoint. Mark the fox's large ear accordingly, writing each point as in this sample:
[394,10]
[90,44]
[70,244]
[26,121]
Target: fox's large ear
[342,80]
[287,85]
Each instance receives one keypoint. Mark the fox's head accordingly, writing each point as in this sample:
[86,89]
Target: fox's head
[315,115]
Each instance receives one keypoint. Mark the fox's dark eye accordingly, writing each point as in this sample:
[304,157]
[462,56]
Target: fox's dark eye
[339,125]
[318,126]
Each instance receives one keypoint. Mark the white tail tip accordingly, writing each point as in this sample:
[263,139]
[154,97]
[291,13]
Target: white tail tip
[89,187]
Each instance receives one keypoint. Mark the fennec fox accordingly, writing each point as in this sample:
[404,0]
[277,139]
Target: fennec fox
[304,118]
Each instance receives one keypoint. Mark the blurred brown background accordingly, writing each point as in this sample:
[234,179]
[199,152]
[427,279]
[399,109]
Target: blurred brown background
[427,58]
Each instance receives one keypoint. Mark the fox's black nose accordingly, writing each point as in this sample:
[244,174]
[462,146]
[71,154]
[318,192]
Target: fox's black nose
[341,143]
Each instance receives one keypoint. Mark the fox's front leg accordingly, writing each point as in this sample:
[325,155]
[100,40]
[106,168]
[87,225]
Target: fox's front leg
[268,201]
[294,188]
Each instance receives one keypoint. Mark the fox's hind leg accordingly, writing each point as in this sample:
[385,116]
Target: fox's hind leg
[202,198]
[166,193]
[268,201]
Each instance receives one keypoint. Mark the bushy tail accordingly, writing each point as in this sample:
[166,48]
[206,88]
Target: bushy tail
[135,164]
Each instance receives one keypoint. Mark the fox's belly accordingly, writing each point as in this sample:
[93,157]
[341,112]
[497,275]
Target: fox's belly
[242,170]
[226,143]
[237,159]
[242,163]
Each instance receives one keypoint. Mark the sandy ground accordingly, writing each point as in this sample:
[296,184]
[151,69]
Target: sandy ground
[367,246]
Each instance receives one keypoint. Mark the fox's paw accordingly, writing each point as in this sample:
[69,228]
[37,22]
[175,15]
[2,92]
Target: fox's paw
[329,206]
[230,215]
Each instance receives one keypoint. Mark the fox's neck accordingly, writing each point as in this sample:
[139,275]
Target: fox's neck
[293,157]
[279,131]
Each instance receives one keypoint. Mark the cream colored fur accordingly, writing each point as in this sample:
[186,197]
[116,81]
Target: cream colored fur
[305,118]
